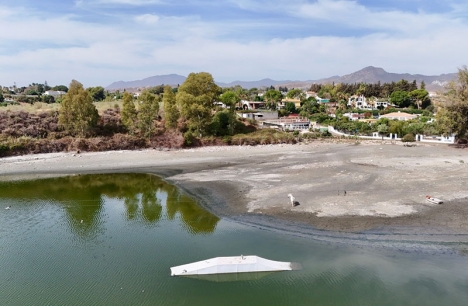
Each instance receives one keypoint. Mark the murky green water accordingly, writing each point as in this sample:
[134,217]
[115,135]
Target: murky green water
[111,239]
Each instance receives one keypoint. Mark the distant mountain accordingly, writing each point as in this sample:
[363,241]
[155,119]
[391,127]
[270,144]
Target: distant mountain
[372,75]
[254,84]
[168,79]
[367,75]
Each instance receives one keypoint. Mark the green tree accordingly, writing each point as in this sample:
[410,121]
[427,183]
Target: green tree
[422,85]
[97,93]
[400,98]
[171,113]
[419,96]
[453,116]
[60,88]
[290,107]
[310,106]
[77,113]
[196,97]
[149,108]
[272,97]
[231,99]
[382,129]
[129,113]
[1,97]
[296,94]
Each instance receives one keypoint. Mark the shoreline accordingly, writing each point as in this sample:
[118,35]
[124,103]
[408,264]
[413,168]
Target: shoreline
[385,186]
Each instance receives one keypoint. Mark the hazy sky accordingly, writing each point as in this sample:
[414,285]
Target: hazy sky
[98,42]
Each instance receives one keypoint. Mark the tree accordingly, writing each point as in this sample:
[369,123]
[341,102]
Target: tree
[60,88]
[453,116]
[149,108]
[422,85]
[195,98]
[129,113]
[272,97]
[171,113]
[1,97]
[310,106]
[296,94]
[419,96]
[382,129]
[231,99]
[97,93]
[290,107]
[77,113]
[400,98]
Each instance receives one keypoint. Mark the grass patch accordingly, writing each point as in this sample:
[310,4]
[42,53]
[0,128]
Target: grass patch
[263,136]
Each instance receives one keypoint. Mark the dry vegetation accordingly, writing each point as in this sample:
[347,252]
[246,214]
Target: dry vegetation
[23,132]
[33,129]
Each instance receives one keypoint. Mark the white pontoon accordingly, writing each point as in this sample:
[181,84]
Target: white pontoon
[234,264]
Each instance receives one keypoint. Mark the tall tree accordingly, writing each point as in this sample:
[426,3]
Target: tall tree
[147,113]
[77,113]
[453,117]
[400,98]
[419,96]
[171,113]
[231,99]
[272,97]
[296,93]
[129,113]
[196,97]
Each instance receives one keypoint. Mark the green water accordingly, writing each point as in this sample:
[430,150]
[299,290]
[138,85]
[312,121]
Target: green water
[111,239]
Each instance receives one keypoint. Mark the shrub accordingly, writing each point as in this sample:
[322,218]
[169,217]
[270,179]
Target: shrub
[408,138]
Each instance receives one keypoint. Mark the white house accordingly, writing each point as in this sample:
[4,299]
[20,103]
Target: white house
[361,102]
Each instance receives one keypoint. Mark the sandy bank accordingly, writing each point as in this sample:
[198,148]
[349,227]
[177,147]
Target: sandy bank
[367,189]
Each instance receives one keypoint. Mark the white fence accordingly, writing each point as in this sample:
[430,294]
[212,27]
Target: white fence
[418,137]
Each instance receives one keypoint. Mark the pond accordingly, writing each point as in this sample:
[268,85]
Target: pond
[111,239]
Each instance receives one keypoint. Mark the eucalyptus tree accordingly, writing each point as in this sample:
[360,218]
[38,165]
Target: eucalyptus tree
[129,113]
[171,113]
[195,99]
[147,113]
[77,113]
[453,115]
[231,100]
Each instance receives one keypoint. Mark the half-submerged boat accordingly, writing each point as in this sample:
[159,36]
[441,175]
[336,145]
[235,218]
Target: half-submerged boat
[233,264]
[433,200]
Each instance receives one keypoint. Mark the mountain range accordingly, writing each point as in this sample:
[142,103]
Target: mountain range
[367,75]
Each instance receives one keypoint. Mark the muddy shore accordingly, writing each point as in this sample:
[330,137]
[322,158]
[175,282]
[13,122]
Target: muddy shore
[372,190]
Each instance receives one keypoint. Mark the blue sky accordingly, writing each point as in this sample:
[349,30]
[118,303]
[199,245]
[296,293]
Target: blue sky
[98,42]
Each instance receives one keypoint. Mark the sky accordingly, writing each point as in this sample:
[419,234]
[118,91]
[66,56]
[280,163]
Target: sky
[97,42]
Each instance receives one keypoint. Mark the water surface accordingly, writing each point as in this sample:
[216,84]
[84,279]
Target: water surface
[111,239]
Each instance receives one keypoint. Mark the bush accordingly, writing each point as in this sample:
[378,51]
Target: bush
[408,138]
[189,138]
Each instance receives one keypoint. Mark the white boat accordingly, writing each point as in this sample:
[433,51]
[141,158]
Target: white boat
[434,200]
[233,264]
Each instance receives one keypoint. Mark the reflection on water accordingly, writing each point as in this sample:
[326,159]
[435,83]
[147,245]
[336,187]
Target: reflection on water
[231,277]
[81,197]
[111,240]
